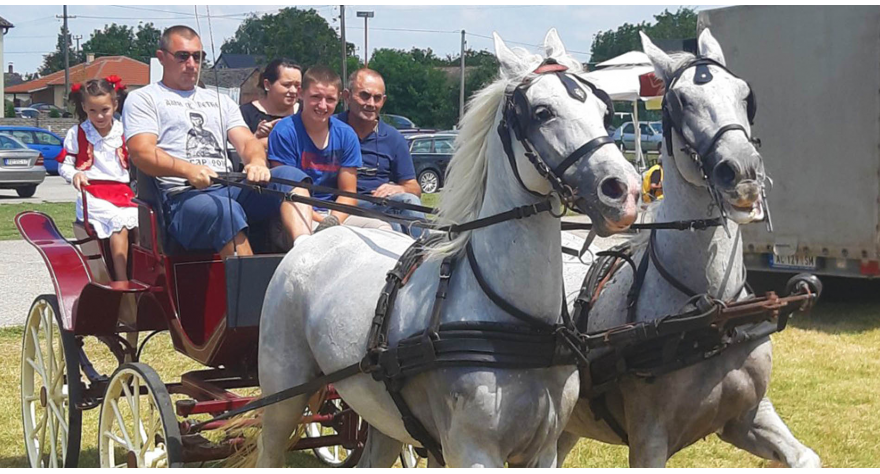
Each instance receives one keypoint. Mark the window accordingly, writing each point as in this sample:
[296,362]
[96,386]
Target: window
[44,138]
[421,146]
[628,128]
[444,146]
[24,136]
[645,129]
[7,143]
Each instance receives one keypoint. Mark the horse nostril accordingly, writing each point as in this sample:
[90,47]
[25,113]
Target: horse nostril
[725,174]
[613,188]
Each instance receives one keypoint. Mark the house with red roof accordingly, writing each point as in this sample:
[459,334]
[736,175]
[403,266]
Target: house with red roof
[49,89]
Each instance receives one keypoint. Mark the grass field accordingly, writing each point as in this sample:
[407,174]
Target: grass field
[64,213]
[826,383]
[825,386]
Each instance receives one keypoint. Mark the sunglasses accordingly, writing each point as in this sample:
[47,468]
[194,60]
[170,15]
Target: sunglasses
[183,56]
[365,96]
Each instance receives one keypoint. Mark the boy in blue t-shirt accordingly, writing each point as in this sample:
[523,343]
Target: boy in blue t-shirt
[319,144]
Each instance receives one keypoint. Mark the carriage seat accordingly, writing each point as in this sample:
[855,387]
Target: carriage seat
[150,204]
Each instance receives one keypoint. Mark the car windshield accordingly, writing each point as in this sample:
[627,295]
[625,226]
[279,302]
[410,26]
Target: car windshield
[657,126]
[9,143]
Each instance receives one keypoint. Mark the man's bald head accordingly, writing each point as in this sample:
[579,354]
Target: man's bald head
[362,74]
[365,97]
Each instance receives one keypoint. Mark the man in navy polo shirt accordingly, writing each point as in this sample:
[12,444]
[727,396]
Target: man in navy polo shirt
[387,169]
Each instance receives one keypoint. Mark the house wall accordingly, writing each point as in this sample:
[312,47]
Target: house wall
[251,89]
[59,126]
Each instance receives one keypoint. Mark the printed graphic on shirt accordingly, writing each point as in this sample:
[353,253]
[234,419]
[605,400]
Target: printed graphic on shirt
[321,162]
[202,147]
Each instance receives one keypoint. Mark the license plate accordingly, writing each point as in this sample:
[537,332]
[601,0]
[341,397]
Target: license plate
[16,161]
[794,262]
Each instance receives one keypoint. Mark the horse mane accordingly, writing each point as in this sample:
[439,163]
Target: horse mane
[465,185]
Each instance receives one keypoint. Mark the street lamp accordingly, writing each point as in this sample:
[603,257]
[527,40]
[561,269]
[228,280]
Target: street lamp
[366,15]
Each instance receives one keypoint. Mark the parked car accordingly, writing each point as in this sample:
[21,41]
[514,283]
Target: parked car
[652,136]
[26,112]
[46,109]
[404,125]
[21,168]
[41,140]
[431,154]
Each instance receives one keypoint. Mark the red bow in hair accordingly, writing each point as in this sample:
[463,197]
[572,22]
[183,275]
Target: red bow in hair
[76,87]
[116,81]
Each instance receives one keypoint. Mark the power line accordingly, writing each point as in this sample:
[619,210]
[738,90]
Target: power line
[526,44]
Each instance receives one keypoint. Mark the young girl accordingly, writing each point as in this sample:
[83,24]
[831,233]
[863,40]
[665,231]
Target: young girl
[95,159]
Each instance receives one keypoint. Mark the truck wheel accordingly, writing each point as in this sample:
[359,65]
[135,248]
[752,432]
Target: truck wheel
[27,191]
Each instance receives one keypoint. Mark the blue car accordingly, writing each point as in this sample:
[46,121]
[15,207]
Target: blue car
[44,141]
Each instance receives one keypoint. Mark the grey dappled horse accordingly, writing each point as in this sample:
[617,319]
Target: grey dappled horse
[725,394]
[320,303]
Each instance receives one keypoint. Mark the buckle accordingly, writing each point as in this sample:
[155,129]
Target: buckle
[445,270]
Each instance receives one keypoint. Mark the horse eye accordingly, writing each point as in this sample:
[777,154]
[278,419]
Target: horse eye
[543,114]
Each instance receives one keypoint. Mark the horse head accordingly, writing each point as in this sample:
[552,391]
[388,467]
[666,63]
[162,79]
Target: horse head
[553,127]
[707,115]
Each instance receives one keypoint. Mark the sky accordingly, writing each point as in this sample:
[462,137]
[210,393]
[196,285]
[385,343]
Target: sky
[393,26]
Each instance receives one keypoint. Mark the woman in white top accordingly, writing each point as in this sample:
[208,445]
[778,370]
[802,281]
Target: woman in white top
[95,160]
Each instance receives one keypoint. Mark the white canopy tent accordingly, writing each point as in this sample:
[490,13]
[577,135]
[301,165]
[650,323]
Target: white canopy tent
[628,77]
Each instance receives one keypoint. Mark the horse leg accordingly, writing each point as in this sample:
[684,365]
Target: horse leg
[279,421]
[566,443]
[762,433]
[647,433]
[380,450]
[462,449]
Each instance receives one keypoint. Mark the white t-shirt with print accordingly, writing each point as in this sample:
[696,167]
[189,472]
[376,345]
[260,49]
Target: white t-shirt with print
[190,125]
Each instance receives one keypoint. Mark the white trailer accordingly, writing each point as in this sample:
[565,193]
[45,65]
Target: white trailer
[816,75]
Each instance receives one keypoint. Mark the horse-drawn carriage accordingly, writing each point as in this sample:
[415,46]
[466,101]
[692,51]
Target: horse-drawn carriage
[211,309]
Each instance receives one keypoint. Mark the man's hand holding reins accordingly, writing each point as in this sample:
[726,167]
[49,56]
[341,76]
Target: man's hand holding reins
[257,173]
[199,176]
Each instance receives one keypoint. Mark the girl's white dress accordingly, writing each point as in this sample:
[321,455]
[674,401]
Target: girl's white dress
[105,217]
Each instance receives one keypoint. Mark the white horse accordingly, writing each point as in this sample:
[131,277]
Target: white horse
[320,303]
[725,394]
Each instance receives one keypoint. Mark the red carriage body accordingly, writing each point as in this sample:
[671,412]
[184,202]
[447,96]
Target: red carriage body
[210,307]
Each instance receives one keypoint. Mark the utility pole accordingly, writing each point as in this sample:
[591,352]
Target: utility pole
[461,92]
[366,15]
[344,52]
[77,38]
[66,34]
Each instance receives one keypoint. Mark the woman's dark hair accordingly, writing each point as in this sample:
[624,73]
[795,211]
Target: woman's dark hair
[95,88]
[273,69]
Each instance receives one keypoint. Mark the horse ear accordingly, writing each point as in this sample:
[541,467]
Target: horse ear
[663,64]
[553,47]
[510,62]
[710,48]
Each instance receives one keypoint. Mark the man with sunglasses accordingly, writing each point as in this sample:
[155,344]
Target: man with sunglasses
[177,132]
[387,170]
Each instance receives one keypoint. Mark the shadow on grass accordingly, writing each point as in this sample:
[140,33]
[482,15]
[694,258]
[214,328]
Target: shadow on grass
[847,305]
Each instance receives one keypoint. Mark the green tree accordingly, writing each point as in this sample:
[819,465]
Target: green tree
[121,40]
[301,35]
[668,25]
[54,61]
[416,90]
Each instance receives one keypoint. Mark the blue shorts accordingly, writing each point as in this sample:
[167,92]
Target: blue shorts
[201,219]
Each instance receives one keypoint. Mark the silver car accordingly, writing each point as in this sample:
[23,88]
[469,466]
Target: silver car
[21,168]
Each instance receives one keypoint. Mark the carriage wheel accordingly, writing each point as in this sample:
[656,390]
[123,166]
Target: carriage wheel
[409,458]
[50,388]
[138,427]
[333,456]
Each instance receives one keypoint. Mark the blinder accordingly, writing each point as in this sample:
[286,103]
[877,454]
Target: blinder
[523,114]
[518,116]
[673,109]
